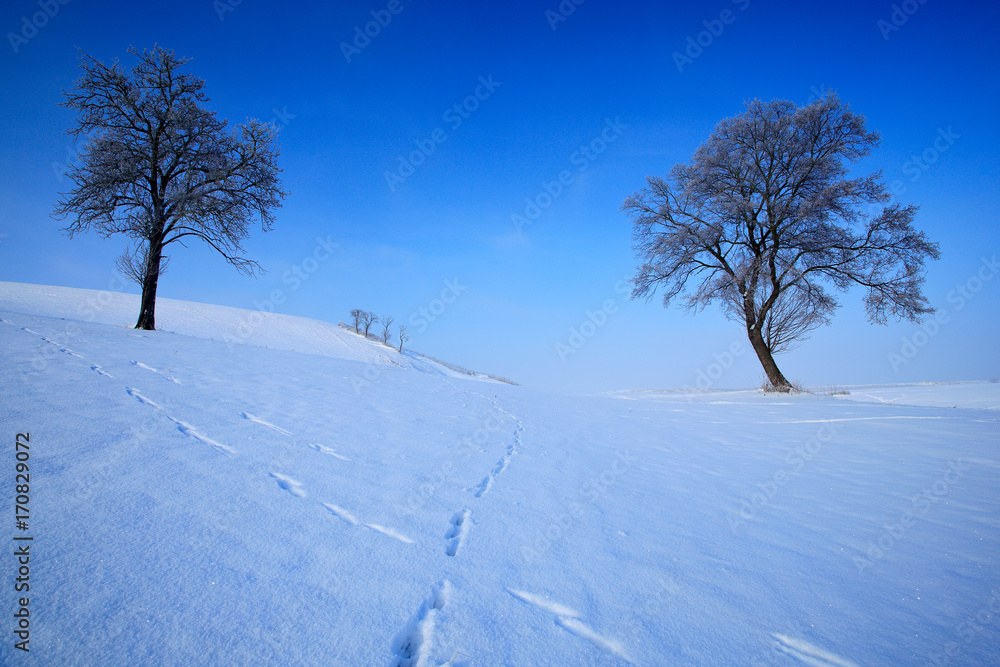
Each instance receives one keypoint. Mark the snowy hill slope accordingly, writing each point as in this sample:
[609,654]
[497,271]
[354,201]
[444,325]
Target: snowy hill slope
[201,503]
[234,326]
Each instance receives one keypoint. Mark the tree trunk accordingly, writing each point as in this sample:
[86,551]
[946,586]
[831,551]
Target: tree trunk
[774,375]
[147,318]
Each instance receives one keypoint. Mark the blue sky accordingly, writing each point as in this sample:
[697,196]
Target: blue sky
[553,90]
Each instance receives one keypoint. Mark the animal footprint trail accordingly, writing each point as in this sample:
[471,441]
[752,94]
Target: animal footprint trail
[62,348]
[254,418]
[349,517]
[326,450]
[182,426]
[187,429]
[809,653]
[569,619]
[101,371]
[504,461]
[289,484]
[342,513]
[134,393]
[139,364]
[460,525]
[389,532]
[501,465]
[416,643]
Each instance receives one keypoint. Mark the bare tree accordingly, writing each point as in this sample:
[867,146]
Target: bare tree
[133,261]
[403,336]
[386,333]
[356,316]
[367,320]
[158,167]
[764,214]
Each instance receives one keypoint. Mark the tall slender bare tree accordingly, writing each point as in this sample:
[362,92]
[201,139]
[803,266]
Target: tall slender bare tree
[160,168]
[386,331]
[765,213]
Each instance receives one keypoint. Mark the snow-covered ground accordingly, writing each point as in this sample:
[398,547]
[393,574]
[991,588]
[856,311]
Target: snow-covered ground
[241,489]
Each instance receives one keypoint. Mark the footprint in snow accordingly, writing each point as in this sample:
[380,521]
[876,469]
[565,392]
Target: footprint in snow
[327,450]
[460,525]
[415,644]
[569,619]
[809,653]
[254,418]
[289,484]
[349,517]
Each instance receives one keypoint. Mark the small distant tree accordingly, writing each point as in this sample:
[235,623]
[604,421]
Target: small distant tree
[764,214]
[160,168]
[356,316]
[367,320]
[386,333]
[403,336]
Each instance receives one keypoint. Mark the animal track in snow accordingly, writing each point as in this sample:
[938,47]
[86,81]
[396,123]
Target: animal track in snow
[254,418]
[504,461]
[350,518]
[342,513]
[183,427]
[134,393]
[63,349]
[187,429]
[289,484]
[155,370]
[460,525]
[327,450]
[415,644]
[501,465]
[95,367]
[810,654]
[389,532]
[569,619]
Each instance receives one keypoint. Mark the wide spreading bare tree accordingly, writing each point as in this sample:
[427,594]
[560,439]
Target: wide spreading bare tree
[159,168]
[765,214]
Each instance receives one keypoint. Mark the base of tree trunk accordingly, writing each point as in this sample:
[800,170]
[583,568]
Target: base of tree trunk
[770,388]
[774,380]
